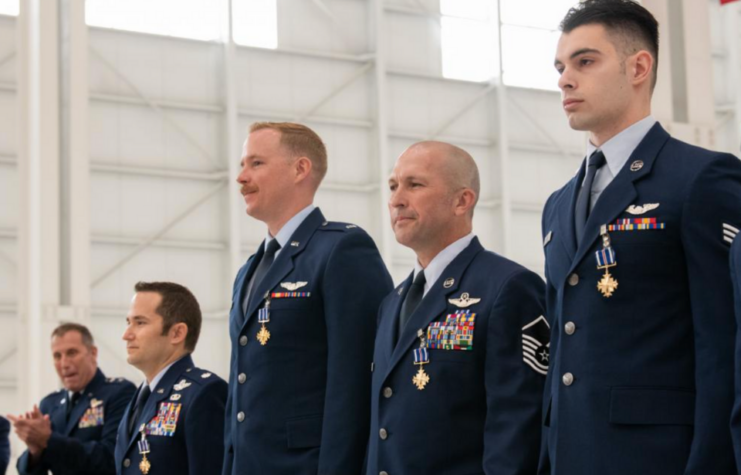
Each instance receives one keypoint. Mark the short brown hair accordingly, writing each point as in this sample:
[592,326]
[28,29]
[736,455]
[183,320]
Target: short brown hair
[178,305]
[66,327]
[300,141]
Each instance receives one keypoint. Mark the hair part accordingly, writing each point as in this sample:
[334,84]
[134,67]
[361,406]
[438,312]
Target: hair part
[631,26]
[178,305]
[66,327]
[300,141]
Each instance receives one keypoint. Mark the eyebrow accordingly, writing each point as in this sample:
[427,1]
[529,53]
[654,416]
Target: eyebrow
[579,52]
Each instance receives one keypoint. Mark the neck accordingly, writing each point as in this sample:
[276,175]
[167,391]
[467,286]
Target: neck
[151,373]
[294,207]
[599,137]
[426,255]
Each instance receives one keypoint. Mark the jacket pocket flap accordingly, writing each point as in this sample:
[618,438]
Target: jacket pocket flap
[652,406]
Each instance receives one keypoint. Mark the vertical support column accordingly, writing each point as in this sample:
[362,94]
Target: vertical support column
[381,128]
[74,164]
[232,138]
[38,166]
[503,143]
[662,106]
[732,23]
[698,64]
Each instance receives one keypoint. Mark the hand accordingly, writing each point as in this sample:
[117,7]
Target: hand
[34,429]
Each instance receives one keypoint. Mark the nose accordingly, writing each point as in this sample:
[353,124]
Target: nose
[566,81]
[397,199]
[127,335]
[243,176]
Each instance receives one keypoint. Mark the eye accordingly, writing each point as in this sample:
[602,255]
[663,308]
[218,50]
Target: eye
[415,185]
[393,187]
[585,62]
[559,69]
[256,163]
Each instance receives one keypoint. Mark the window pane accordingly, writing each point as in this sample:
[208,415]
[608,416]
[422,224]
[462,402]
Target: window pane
[474,9]
[255,23]
[197,19]
[469,49]
[9,7]
[528,57]
[537,13]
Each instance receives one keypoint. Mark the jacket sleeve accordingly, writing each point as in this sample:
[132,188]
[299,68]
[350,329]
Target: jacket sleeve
[355,282]
[714,199]
[4,445]
[514,387]
[204,426]
[67,454]
[735,262]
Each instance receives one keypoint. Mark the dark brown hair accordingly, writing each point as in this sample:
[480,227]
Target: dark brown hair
[178,305]
[66,327]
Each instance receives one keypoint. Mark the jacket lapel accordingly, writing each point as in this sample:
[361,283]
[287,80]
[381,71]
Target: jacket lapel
[237,315]
[283,264]
[389,327]
[59,412]
[434,302]
[161,392]
[84,403]
[621,192]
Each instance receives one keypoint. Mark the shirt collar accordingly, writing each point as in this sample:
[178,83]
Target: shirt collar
[437,265]
[618,149]
[156,380]
[290,227]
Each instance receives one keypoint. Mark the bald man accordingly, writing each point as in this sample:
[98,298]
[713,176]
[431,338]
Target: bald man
[461,350]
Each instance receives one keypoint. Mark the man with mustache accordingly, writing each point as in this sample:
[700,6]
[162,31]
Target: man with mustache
[73,430]
[638,285]
[462,346]
[302,321]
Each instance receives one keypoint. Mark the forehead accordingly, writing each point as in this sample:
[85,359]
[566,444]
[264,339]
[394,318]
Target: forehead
[263,138]
[594,37]
[70,339]
[418,162]
[145,304]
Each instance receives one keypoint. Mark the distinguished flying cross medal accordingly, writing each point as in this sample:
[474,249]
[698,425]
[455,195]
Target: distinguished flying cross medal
[144,449]
[606,259]
[263,316]
[421,358]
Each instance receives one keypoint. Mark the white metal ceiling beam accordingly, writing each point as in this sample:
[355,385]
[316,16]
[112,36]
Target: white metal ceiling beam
[470,104]
[173,123]
[169,225]
[357,74]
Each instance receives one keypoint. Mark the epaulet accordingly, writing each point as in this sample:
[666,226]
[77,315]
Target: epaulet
[335,226]
[115,380]
[198,375]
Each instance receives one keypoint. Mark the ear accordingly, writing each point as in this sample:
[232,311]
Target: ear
[641,67]
[178,332]
[464,201]
[94,351]
[302,168]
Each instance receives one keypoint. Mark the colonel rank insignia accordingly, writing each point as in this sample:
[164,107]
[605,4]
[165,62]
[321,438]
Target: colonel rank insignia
[536,337]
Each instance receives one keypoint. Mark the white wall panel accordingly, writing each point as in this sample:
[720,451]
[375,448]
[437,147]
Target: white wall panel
[303,24]
[413,43]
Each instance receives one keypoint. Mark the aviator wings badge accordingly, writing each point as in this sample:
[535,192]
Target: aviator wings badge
[639,210]
[464,301]
[291,286]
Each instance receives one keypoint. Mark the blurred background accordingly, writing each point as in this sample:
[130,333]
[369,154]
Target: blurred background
[121,125]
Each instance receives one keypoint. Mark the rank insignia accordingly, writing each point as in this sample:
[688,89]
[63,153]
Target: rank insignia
[729,233]
[636,224]
[182,385]
[206,375]
[453,333]
[536,344]
[93,416]
[548,238]
[464,301]
[291,286]
[166,420]
[639,210]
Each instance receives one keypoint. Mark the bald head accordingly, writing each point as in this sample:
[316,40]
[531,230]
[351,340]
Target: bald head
[457,165]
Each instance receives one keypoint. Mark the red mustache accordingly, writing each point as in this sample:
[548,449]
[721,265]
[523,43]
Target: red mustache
[247,189]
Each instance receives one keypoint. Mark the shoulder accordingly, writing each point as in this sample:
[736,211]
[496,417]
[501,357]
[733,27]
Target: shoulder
[4,425]
[202,378]
[691,159]
[337,236]
[52,399]
[502,273]
[118,386]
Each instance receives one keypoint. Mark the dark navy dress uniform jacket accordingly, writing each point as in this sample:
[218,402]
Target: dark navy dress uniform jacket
[299,405]
[4,444]
[195,446]
[652,365]
[84,444]
[735,260]
[480,412]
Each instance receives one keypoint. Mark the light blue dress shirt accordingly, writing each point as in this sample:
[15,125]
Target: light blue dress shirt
[617,151]
[437,265]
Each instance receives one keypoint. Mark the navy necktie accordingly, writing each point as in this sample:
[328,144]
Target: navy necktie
[412,300]
[141,400]
[262,268]
[581,213]
[72,403]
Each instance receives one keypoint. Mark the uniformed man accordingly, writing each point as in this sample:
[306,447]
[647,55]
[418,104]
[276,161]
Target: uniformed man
[302,319]
[175,421]
[638,287]
[462,348]
[4,444]
[73,430]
